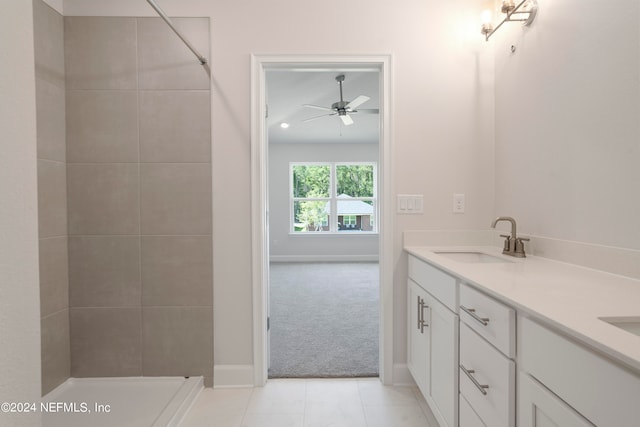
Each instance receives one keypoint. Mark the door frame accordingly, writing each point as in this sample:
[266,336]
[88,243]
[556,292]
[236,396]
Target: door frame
[259,201]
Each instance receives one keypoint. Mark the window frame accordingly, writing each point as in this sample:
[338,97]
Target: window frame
[333,199]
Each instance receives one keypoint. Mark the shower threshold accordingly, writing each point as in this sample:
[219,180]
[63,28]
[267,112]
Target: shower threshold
[126,401]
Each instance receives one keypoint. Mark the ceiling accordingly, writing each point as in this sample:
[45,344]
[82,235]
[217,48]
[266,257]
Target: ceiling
[288,90]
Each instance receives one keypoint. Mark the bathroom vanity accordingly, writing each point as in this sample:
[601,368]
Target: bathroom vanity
[498,341]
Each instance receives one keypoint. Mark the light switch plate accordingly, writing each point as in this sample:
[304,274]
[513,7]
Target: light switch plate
[411,204]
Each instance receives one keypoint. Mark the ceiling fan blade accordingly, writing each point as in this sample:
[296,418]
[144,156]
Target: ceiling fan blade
[346,120]
[358,101]
[318,117]
[319,107]
[366,111]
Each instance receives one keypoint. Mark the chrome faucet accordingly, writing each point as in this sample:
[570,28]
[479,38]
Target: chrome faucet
[513,245]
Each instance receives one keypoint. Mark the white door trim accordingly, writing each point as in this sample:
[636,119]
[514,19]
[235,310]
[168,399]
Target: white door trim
[259,214]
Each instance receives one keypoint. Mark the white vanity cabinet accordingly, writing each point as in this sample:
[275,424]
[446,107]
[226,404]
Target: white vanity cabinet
[433,338]
[537,367]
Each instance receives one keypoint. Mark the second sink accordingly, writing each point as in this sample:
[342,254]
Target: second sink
[629,324]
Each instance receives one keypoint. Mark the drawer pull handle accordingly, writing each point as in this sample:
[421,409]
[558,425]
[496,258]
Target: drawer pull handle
[470,372]
[472,312]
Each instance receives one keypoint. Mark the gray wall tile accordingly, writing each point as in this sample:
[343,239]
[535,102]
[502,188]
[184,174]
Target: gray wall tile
[55,350]
[52,194]
[175,198]
[50,109]
[103,198]
[112,197]
[100,52]
[52,199]
[105,342]
[177,270]
[178,341]
[165,61]
[48,35]
[175,126]
[104,271]
[54,276]
[102,126]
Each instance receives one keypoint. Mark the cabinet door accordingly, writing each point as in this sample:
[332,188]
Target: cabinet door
[418,345]
[538,407]
[444,363]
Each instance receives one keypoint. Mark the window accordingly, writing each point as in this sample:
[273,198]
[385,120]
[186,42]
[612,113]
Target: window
[333,197]
[348,220]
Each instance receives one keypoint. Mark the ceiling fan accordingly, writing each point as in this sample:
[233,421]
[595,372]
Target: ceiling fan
[343,108]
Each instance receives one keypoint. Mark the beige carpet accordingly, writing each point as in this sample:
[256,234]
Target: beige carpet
[324,320]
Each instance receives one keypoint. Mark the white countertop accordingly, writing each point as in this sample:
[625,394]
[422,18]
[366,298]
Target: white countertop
[568,297]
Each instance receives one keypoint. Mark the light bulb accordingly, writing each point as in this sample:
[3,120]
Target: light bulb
[486,17]
[487,25]
[508,6]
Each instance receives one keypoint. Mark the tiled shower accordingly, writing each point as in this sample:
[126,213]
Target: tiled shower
[124,165]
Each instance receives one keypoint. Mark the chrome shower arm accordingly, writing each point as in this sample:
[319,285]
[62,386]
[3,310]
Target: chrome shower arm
[166,19]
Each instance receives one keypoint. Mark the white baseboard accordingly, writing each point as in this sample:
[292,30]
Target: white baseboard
[401,375]
[324,258]
[226,376]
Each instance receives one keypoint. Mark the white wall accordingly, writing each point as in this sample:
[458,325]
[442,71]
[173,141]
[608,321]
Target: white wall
[442,110]
[318,247]
[568,122]
[19,286]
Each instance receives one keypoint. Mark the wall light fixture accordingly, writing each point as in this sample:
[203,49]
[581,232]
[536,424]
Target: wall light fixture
[525,11]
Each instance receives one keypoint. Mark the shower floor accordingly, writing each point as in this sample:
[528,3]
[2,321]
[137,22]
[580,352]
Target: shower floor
[129,401]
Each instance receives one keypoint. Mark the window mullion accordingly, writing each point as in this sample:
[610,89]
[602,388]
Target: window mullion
[292,219]
[333,223]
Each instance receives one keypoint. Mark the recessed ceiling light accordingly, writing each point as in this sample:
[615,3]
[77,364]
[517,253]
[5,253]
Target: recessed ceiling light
[284,125]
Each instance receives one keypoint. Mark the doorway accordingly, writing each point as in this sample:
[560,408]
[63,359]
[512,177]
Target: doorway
[264,213]
[323,132]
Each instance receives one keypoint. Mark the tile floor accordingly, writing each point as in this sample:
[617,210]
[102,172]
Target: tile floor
[311,403]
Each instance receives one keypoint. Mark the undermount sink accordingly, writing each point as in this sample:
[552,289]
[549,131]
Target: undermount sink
[629,324]
[471,257]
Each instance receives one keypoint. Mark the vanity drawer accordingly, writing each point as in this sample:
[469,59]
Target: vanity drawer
[436,282]
[468,418]
[486,366]
[491,319]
